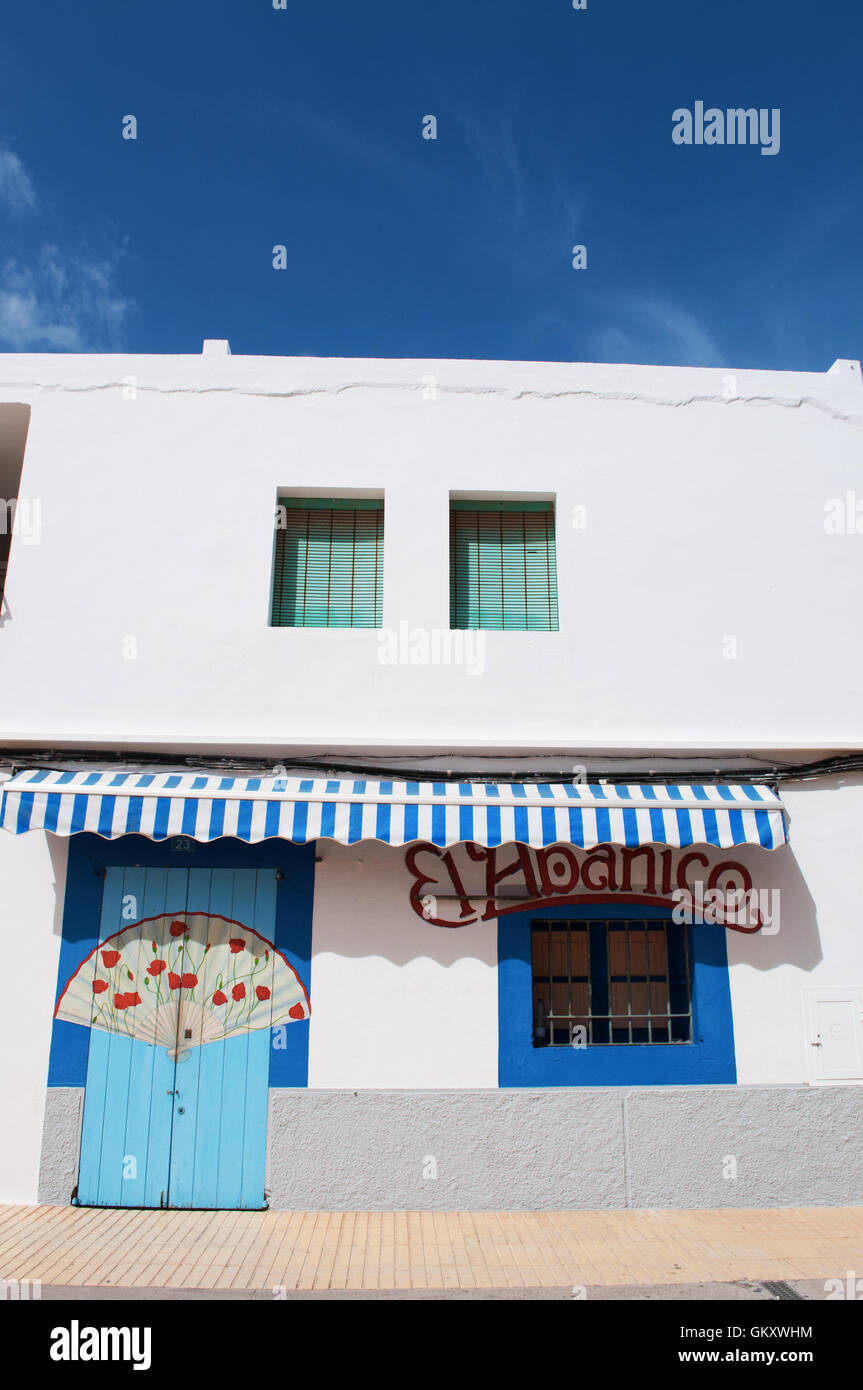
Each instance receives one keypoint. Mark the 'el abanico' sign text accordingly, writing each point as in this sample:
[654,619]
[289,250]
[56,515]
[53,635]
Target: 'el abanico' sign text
[681,879]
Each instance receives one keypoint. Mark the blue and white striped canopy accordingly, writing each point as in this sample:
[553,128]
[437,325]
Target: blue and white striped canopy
[161,804]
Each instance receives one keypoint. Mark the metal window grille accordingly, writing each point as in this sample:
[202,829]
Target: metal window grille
[606,983]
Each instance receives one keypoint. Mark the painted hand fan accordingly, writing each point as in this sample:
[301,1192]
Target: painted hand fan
[182,980]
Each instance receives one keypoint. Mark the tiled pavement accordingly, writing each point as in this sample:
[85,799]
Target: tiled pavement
[75,1246]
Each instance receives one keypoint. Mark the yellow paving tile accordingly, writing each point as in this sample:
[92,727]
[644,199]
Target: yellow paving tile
[276,1252]
[23,1235]
[166,1256]
[66,1253]
[446,1250]
[214,1275]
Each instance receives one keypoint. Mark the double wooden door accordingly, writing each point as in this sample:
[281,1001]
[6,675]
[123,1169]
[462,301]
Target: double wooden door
[175,1110]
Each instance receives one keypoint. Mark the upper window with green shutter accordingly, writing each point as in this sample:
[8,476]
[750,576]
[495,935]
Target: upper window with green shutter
[503,572]
[328,566]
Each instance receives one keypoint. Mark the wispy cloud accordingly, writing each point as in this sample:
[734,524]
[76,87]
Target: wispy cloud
[494,150]
[345,138]
[16,185]
[531,215]
[61,301]
[648,328]
[56,298]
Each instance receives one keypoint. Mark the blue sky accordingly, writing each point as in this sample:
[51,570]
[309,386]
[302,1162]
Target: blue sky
[303,127]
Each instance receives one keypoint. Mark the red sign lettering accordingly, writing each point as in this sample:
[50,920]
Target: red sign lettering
[555,876]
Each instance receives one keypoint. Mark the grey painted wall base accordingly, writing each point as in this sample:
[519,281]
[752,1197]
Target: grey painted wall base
[513,1150]
[516,1150]
[61,1143]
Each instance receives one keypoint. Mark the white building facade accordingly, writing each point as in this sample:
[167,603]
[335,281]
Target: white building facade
[332,877]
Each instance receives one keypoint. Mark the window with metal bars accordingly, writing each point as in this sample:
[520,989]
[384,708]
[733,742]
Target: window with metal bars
[328,562]
[610,982]
[503,571]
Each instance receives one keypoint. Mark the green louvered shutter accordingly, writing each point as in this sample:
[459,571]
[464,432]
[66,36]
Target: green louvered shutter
[503,572]
[328,569]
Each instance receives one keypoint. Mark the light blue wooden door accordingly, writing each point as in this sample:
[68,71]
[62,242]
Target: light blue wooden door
[218,1149]
[176,1118]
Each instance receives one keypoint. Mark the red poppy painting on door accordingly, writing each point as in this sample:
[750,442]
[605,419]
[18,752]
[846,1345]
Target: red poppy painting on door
[182,980]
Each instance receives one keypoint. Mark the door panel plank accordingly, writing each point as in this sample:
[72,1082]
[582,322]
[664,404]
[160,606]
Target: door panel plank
[204,1175]
[93,1125]
[188,1070]
[258,1062]
[235,1077]
[149,1120]
[105,1097]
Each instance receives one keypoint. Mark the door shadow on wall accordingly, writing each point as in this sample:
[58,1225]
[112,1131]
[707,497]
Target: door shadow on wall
[793,935]
[58,849]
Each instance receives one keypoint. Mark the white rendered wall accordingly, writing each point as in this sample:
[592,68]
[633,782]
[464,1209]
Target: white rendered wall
[398,1002]
[395,1002]
[705,522]
[32,887]
[820,939]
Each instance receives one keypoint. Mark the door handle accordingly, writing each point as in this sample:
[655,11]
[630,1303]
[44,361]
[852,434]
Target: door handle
[816,1044]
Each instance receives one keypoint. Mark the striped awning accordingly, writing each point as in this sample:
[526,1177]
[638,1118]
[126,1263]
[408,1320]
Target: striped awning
[160,805]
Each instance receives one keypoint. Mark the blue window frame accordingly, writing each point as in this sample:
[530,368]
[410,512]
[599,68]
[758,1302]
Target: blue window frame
[700,1051]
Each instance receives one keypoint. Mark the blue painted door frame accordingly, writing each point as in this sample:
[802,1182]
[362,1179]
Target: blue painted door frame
[80,1054]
